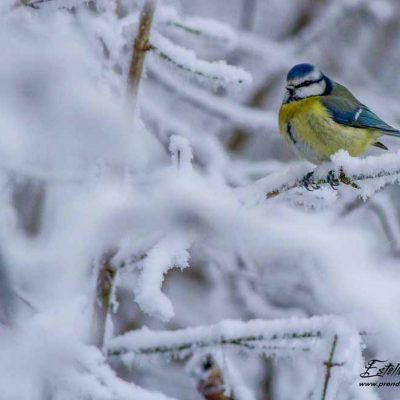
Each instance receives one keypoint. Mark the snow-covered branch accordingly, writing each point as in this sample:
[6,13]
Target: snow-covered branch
[36,4]
[213,31]
[266,337]
[366,175]
[187,61]
[277,338]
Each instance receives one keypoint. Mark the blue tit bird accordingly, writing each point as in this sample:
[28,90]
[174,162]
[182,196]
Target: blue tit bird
[319,116]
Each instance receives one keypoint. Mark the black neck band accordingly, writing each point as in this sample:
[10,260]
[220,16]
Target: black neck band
[328,86]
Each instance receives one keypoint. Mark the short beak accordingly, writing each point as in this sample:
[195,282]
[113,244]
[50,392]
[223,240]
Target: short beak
[290,89]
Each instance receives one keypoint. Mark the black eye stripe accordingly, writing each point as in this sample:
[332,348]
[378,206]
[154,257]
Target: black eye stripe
[308,83]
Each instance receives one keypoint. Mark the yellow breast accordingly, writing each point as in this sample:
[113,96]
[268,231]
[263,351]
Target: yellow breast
[307,126]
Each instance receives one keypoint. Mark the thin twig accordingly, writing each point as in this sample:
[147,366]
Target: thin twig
[189,348]
[343,178]
[35,4]
[249,342]
[166,57]
[254,334]
[182,25]
[141,46]
[328,366]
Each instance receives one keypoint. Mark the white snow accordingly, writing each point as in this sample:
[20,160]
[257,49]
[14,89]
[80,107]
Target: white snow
[173,195]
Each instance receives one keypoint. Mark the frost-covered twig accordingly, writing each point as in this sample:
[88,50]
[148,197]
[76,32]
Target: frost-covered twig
[37,3]
[268,337]
[198,30]
[210,30]
[186,60]
[344,178]
[272,338]
[141,46]
[382,170]
[328,365]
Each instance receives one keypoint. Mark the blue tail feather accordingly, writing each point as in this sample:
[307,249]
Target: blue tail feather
[392,132]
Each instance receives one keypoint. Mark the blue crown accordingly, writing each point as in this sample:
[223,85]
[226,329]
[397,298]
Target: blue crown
[300,70]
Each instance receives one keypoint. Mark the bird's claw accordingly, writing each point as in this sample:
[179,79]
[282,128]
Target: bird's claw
[332,180]
[346,180]
[309,183]
[335,181]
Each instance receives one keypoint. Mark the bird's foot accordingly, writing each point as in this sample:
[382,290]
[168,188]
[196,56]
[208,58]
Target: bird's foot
[346,180]
[309,183]
[332,180]
[335,181]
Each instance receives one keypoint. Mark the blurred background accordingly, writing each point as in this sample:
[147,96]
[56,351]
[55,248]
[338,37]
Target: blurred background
[80,182]
[355,42]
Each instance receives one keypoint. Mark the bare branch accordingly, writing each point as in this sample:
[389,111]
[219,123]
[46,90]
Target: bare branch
[328,365]
[141,46]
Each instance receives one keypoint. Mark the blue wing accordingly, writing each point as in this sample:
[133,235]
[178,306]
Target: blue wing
[348,112]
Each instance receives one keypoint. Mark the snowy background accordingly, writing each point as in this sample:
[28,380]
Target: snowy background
[140,257]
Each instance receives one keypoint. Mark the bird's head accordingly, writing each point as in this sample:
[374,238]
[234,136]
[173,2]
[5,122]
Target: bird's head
[306,80]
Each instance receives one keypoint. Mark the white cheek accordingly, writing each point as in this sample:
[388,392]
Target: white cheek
[306,92]
[313,90]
